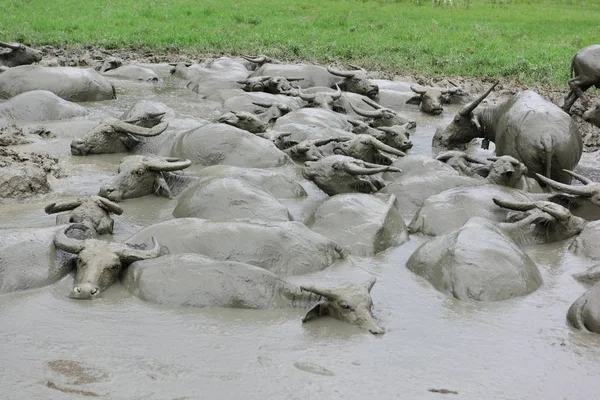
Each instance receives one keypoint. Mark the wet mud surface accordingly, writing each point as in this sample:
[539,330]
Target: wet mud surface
[434,347]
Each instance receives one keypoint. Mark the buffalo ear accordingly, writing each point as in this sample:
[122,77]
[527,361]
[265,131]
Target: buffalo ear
[414,100]
[318,310]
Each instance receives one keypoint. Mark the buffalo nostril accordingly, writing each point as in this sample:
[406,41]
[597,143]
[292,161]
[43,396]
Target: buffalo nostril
[377,331]
[78,289]
[94,291]
[508,173]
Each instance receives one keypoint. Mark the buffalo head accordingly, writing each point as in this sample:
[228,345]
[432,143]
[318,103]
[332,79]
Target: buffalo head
[268,84]
[320,99]
[367,148]
[349,303]
[113,136]
[465,126]
[430,98]
[244,120]
[140,176]
[589,189]
[356,81]
[382,116]
[342,174]
[592,114]
[92,211]
[553,222]
[98,262]
[18,54]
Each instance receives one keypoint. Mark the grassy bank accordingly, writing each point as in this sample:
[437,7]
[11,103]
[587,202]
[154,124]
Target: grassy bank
[527,40]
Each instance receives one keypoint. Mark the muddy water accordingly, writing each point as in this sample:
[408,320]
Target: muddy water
[120,347]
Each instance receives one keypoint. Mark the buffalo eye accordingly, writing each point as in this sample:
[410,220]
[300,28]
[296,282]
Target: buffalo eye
[408,135]
[336,167]
[346,307]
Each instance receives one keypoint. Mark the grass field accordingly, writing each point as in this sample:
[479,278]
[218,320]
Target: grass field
[525,40]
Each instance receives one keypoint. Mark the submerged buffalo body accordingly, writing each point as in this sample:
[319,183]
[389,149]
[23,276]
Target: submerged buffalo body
[199,281]
[282,247]
[38,106]
[73,84]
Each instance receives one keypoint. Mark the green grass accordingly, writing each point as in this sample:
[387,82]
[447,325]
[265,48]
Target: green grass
[524,40]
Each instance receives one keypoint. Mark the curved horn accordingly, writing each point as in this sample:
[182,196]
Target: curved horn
[129,255]
[379,145]
[149,116]
[445,156]
[579,177]
[257,59]
[366,113]
[418,90]
[264,105]
[372,103]
[468,109]
[389,168]
[555,210]
[323,142]
[139,130]
[337,72]
[321,292]
[109,205]
[167,164]
[354,169]
[337,94]
[585,191]
[294,79]
[70,245]
[449,90]
[54,208]
[305,96]
[355,123]
[244,82]
[514,205]
[12,46]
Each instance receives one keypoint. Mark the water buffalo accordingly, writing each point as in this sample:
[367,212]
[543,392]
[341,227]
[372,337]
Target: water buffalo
[526,127]
[113,136]
[323,100]
[268,84]
[214,144]
[222,73]
[382,116]
[285,248]
[584,313]
[312,75]
[592,114]
[147,114]
[477,261]
[18,54]
[367,148]
[364,224]
[431,98]
[590,189]
[38,106]
[279,185]
[73,84]
[223,199]
[98,262]
[503,170]
[342,174]
[355,81]
[585,73]
[115,69]
[92,211]
[142,175]
[30,259]
[552,222]
[199,281]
